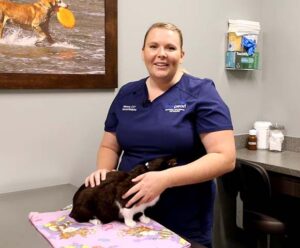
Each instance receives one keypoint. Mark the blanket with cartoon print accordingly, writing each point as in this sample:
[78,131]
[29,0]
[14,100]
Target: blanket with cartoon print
[64,232]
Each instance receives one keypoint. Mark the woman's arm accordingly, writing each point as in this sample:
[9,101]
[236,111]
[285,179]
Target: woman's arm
[220,158]
[107,159]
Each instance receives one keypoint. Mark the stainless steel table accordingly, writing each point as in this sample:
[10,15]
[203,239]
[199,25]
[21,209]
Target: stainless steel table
[15,228]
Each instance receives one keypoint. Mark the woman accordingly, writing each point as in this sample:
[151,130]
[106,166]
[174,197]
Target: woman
[170,113]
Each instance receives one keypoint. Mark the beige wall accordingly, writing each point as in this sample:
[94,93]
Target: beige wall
[280,79]
[204,26]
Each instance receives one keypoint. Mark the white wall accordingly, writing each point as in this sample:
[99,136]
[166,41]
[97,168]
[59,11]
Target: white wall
[51,137]
[281,85]
[204,26]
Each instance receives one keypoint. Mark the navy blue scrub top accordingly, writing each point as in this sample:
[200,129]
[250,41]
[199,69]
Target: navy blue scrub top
[170,126]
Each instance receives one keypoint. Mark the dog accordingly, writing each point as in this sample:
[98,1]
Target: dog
[104,203]
[34,16]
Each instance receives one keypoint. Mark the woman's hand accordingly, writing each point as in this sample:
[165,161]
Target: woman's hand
[96,177]
[148,186]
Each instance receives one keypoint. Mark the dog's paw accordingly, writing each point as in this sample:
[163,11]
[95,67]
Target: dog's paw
[40,43]
[44,43]
[130,223]
[144,219]
[95,222]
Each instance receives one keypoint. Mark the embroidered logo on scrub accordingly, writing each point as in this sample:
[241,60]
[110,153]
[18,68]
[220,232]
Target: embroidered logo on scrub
[129,108]
[175,108]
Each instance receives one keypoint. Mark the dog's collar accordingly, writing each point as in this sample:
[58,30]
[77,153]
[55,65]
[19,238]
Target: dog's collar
[147,165]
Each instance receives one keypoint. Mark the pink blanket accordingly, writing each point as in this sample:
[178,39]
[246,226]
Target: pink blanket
[64,232]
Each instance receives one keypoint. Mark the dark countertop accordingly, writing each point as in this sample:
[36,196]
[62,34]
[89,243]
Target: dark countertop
[15,227]
[285,162]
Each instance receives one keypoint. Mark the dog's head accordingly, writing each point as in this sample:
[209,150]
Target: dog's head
[81,213]
[60,3]
[54,4]
[82,210]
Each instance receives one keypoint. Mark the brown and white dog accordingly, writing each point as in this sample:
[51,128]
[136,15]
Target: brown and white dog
[35,16]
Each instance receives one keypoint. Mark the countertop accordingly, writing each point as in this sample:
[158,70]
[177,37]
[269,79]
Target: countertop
[15,228]
[285,162]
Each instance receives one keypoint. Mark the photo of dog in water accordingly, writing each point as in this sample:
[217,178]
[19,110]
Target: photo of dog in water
[35,16]
[34,40]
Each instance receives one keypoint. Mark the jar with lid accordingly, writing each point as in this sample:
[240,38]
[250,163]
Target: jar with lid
[276,137]
[252,140]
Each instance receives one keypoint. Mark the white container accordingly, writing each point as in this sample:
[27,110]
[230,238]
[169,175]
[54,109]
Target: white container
[276,138]
[262,134]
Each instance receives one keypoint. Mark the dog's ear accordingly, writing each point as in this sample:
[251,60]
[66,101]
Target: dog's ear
[49,3]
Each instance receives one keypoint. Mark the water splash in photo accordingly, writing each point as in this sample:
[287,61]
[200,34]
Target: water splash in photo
[80,50]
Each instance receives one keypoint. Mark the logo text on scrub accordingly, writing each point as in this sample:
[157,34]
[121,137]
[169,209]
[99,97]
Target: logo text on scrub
[176,108]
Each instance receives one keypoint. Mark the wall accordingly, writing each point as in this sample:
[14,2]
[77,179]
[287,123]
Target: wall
[47,137]
[204,26]
[51,137]
[280,102]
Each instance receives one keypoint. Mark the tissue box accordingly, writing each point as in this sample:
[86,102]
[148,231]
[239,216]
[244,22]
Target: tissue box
[242,61]
[234,42]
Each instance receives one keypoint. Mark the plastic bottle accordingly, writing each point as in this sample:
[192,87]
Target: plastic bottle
[252,140]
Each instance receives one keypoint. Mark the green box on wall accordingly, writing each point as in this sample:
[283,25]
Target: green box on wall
[242,61]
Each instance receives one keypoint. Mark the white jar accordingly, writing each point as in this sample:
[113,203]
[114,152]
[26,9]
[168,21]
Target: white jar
[262,134]
[276,137]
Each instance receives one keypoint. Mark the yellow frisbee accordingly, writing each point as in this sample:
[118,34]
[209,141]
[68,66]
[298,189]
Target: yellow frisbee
[65,17]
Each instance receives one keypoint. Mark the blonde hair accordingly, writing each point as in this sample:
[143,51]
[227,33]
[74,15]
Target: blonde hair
[164,25]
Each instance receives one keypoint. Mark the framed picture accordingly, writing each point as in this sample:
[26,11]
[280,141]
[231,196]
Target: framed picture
[81,57]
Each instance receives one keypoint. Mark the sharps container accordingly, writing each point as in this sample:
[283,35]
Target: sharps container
[262,134]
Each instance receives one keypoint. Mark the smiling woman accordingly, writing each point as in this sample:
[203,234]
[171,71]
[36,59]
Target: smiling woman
[162,53]
[169,114]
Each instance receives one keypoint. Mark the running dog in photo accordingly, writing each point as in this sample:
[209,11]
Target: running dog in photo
[34,16]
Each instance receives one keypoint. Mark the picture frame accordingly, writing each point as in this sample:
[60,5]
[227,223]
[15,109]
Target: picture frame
[106,80]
